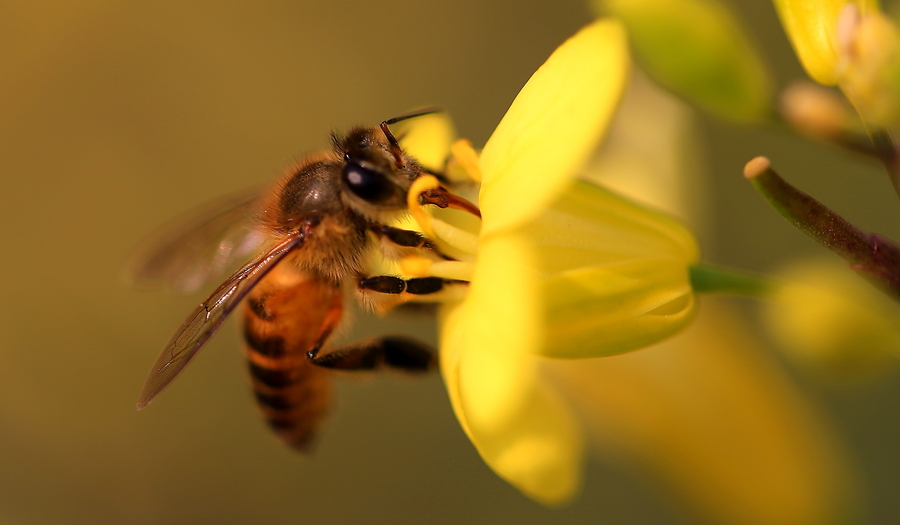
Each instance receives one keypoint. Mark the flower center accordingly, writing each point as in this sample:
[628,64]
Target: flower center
[452,230]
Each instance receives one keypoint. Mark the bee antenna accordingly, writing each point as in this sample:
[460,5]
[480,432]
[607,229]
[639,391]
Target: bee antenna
[395,146]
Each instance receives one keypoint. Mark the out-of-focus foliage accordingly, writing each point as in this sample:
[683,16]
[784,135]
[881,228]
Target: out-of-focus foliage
[698,49]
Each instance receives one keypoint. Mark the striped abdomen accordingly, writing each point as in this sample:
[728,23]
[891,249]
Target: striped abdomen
[286,315]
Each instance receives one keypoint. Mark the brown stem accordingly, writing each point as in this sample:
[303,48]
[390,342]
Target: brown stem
[870,255]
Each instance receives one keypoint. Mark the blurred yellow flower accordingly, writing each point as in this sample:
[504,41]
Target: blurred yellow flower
[557,267]
[870,72]
[812,26]
[851,44]
[834,322]
[711,415]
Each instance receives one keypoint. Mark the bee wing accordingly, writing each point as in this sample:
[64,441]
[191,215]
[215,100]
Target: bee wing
[202,245]
[206,318]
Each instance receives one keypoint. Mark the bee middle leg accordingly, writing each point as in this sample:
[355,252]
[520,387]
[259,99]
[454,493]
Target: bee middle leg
[395,352]
[394,285]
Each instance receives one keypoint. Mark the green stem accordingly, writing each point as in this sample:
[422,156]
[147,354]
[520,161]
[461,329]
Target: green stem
[711,279]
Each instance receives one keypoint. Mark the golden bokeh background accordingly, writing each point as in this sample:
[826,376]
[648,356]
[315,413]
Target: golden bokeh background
[116,117]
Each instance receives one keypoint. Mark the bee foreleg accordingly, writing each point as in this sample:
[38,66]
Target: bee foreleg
[406,238]
[395,352]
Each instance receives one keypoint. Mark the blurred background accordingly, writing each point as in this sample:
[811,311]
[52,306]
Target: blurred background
[117,117]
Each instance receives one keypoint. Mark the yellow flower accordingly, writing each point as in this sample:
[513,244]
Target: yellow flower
[870,73]
[834,322]
[557,267]
[851,44]
[812,26]
[707,413]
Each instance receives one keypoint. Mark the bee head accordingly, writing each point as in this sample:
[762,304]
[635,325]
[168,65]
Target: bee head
[375,173]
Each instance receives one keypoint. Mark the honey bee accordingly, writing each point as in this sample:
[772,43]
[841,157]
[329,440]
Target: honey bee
[315,228]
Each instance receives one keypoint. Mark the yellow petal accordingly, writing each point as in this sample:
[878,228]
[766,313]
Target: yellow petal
[811,26]
[716,419]
[698,49]
[520,427]
[590,226]
[651,155]
[427,138]
[500,320]
[614,273]
[615,308]
[870,76]
[539,451]
[451,319]
[553,125]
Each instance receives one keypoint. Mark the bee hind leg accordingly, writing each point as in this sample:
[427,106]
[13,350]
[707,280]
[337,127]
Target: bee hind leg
[394,352]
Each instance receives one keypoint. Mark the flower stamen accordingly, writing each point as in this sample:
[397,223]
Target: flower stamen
[454,270]
[456,237]
[413,202]
[416,266]
[464,157]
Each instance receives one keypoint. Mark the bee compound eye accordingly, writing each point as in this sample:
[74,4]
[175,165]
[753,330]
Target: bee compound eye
[370,185]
